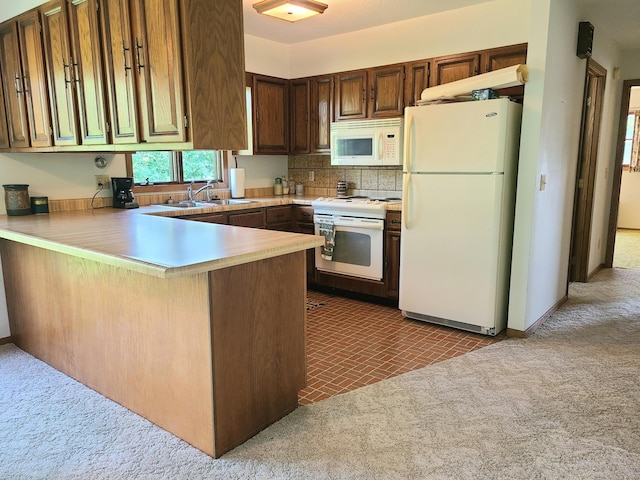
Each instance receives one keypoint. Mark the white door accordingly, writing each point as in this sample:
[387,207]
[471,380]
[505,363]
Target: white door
[456,137]
[450,248]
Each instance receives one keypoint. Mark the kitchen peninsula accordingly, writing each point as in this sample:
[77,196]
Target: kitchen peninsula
[198,327]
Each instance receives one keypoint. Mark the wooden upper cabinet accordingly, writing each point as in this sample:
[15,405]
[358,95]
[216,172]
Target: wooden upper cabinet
[351,95]
[118,54]
[416,80]
[87,71]
[60,72]
[12,86]
[503,57]
[321,113]
[453,67]
[386,91]
[4,132]
[270,115]
[158,63]
[34,79]
[299,93]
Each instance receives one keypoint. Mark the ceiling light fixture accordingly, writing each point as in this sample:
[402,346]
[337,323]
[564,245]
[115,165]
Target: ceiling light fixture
[290,10]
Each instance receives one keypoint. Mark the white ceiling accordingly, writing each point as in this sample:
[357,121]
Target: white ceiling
[620,19]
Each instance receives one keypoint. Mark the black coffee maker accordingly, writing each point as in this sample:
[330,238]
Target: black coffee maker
[122,194]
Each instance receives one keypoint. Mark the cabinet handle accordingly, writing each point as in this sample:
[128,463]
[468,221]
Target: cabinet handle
[279,215]
[17,81]
[64,69]
[372,95]
[364,98]
[124,53]
[138,48]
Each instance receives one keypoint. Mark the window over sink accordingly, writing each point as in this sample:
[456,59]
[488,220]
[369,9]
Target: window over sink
[166,168]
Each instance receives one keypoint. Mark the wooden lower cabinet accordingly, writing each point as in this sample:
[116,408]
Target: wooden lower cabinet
[248,219]
[280,218]
[392,254]
[220,218]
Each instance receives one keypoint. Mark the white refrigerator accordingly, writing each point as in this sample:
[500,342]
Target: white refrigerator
[459,178]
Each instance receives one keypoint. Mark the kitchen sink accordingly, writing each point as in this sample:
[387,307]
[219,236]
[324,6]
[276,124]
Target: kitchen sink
[210,203]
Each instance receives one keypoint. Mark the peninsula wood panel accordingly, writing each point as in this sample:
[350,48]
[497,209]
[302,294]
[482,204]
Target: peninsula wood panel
[142,341]
[259,352]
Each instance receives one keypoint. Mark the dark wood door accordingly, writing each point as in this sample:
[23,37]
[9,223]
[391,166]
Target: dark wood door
[321,113]
[87,72]
[270,115]
[158,64]
[416,80]
[12,85]
[118,56]
[502,57]
[34,80]
[300,127]
[386,91]
[249,219]
[351,97]
[392,254]
[453,67]
[59,66]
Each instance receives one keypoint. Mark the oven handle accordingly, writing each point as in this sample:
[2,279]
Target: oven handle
[352,222]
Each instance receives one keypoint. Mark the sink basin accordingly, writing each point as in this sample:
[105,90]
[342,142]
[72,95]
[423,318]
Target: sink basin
[210,203]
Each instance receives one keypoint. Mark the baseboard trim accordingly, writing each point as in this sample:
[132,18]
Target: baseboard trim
[595,271]
[524,334]
[6,340]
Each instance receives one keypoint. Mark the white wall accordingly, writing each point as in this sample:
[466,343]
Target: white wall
[629,208]
[549,145]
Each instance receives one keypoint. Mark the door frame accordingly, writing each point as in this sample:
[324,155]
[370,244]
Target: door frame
[586,171]
[617,170]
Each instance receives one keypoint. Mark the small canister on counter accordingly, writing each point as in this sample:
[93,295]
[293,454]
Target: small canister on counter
[16,199]
[299,189]
[277,187]
[39,204]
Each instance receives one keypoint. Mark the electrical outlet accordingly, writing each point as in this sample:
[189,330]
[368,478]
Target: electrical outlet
[311,176]
[103,181]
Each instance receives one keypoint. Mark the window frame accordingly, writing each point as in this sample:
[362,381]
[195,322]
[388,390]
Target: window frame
[173,186]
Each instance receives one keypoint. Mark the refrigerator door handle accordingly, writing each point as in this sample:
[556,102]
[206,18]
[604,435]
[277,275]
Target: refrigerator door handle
[407,169]
[405,201]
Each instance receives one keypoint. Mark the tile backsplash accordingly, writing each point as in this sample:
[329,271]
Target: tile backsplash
[371,181]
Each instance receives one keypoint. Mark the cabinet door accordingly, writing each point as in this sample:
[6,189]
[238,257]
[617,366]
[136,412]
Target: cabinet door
[250,219]
[13,89]
[35,80]
[386,91]
[270,117]
[158,64]
[299,92]
[4,132]
[392,263]
[497,58]
[118,57]
[87,71]
[454,67]
[351,99]
[321,113]
[416,80]
[59,72]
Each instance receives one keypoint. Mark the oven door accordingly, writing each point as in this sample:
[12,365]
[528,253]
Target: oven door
[358,248]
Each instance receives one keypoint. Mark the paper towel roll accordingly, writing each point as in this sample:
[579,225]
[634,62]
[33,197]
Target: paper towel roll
[503,78]
[236,181]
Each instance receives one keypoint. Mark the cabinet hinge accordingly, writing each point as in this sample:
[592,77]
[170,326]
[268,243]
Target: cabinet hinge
[108,127]
[580,183]
[97,5]
[186,122]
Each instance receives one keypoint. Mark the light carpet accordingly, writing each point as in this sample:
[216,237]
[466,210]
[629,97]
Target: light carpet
[561,404]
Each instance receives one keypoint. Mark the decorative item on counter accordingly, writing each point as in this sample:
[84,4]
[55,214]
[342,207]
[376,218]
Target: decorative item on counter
[342,188]
[236,181]
[277,187]
[484,94]
[299,189]
[16,199]
[285,186]
[39,204]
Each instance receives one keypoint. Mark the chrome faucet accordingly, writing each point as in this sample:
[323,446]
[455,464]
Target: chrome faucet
[192,195]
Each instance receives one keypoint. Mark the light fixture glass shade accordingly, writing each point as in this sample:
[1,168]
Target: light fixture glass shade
[290,10]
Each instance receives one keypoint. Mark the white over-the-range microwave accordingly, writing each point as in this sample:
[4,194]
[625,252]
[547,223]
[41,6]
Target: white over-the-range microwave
[367,142]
